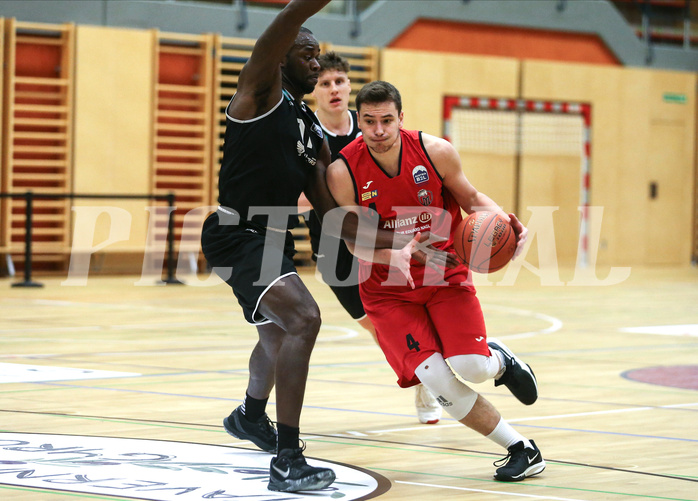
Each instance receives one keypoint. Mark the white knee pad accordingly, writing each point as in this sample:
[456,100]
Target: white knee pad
[475,368]
[453,395]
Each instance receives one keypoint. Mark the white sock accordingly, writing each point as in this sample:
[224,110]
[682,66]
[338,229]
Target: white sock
[506,436]
[502,364]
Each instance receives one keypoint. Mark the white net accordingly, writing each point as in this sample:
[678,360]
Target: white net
[552,134]
[484,131]
[506,132]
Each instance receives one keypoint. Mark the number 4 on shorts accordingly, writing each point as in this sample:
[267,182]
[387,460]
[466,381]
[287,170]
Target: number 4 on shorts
[412,343]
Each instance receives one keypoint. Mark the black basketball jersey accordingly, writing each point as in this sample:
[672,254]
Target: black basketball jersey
[336,142]
[267,160]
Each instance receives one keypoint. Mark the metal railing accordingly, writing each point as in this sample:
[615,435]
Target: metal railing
[30,196]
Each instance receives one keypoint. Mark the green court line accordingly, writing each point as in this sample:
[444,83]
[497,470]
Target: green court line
[132,422]
[525,485]
[380,446]
[61,493]
[533,483]
[409,449]
[637,387]
[66,384]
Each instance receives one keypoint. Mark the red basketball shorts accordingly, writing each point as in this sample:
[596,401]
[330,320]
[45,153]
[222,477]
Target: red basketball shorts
[411,325]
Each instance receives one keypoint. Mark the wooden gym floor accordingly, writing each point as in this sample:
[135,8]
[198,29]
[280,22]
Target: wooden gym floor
[617,417]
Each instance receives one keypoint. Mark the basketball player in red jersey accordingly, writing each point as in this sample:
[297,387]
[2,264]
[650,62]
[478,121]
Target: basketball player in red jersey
[340,125]
[415,183]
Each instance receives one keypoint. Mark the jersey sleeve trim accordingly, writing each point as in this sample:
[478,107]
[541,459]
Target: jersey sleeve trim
[252,119]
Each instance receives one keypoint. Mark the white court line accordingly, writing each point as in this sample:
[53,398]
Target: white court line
[209,323]
[346,332]
[690,330]
[25,373]
[117,306]
[555,323]
[543,418]
[51,329]
[485,491]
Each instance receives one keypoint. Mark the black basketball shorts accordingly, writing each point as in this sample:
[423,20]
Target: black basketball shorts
[237,255]
[332,270]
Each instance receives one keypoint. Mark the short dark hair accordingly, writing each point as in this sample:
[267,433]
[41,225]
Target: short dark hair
[302,31]
[333,61]
[379,92]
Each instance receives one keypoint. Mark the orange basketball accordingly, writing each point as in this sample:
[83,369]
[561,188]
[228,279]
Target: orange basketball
[485,241]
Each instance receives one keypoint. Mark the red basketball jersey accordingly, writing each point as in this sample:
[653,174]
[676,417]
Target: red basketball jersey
[413,200]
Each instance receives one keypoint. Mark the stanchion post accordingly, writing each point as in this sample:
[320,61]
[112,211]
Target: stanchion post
[29,199]
[170,242]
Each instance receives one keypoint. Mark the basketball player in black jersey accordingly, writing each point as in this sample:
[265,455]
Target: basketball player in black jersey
[274,149]
[341,127]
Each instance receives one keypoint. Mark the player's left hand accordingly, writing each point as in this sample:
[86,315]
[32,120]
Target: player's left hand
[521,233]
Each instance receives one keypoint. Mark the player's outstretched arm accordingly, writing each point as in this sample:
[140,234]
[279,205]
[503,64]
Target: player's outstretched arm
[259,84]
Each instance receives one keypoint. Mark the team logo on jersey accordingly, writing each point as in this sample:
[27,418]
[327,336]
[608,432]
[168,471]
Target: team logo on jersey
[420,174]
[368,195]
[425,197]
[301,153]
[317,130]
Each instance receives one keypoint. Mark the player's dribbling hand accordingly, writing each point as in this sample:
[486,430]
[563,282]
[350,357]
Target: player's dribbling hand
[521,233]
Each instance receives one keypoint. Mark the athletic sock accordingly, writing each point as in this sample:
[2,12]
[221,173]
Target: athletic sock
[288,437]
[506,436]
[502,364]
[253,408]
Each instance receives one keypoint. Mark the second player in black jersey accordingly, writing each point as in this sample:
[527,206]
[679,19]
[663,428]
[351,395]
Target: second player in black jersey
[274,150]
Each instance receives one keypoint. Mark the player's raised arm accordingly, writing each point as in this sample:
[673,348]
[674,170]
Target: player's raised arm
[259,84]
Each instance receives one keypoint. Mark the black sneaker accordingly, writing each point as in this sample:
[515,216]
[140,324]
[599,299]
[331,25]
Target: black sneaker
[289,472]
[261,433]
[521,462]
[518,376]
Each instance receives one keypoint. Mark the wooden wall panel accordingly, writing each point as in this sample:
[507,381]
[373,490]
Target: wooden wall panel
[364,65]
[4,203]
[38,135]
[424,78]
[639,136]
[182,123]
[552,181]
[113,134]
